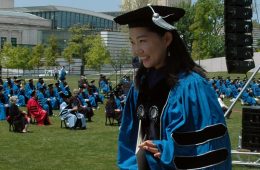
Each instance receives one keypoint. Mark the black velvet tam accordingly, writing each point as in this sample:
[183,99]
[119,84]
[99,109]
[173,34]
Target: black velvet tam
[143,16]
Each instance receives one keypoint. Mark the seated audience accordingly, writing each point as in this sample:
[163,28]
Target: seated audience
[83,108]
[17,117]
[69,113]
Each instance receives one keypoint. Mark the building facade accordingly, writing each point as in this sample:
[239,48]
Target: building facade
[21,28]
[6,4]
[172,2]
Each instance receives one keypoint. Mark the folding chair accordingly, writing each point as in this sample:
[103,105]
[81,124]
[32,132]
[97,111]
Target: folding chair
[30,114]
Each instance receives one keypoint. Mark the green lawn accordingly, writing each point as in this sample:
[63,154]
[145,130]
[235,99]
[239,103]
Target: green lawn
[55,148]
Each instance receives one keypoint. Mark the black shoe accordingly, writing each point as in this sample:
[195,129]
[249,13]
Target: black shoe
[83,128]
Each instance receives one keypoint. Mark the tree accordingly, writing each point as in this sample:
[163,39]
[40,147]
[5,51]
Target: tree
[70,51]
[23,57]
[124,58]
[206,29]
[185,22]
[76,46]
[51,52]
[36,56]
[97,55]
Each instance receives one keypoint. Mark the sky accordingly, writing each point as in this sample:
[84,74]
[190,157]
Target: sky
[92,5]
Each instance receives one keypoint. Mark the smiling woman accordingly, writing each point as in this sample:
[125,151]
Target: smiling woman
[171,112]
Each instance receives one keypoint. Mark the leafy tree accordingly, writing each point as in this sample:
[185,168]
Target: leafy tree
[97,54]
[23,57]
[72,49]
[185,22]
[7,54]
[76,47]
[206,29]
[122,59]
[51,52]
[36,56]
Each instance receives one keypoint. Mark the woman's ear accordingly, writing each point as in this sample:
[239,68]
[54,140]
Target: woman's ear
[168,38]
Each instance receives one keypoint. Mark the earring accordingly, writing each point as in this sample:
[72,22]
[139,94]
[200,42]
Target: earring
[169,53]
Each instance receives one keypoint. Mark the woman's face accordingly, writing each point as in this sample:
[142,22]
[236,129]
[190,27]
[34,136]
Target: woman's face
[149,46]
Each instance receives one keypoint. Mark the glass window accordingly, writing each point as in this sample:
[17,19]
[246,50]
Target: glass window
[68,16]
[81,18]
[94,21]
[110,24]
[72,18]
[90,21]
[102,23]
[14,41]
[47,15]
[40,14]
[77,18]
[98,22]
[85,19]
[3,40]
[63,19]
[57,16]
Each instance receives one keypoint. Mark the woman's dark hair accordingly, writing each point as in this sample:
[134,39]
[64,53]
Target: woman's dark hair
[177,62]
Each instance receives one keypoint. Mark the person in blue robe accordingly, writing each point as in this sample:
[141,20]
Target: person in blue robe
[44,101]
[62,73]
[18,91]
[52,95]
[29,88]
[4,103]
[40,84]
[8,83]
[171,118]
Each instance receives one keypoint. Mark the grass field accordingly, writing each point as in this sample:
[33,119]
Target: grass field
[55,148]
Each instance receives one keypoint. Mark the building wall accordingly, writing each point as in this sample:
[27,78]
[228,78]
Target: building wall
[219,64]
[256,36]
[172,2]
[6,4]
[25,31]
[66,19]
[115,42]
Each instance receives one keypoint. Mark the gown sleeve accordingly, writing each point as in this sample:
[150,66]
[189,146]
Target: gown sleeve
[128,134]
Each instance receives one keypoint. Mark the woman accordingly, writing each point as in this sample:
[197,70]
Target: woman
[17,117]
[171,114]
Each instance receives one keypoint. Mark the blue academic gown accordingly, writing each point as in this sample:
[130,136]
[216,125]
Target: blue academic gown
[191,107]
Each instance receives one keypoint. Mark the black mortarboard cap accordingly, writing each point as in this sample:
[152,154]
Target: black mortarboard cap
[50,85]
[144,16]
[92,81]
[63,95]
[30,80]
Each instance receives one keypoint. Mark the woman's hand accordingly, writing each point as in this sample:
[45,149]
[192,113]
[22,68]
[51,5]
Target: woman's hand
[149,146]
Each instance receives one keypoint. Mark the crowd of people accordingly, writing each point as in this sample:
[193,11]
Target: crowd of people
[230,88]
[40,99]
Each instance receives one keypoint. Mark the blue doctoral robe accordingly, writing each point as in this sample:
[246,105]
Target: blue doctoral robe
[191,106]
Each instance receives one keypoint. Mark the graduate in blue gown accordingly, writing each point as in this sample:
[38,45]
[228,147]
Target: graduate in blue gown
[4,103]
[29,88]
[171,118]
